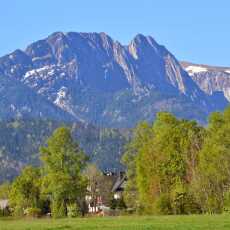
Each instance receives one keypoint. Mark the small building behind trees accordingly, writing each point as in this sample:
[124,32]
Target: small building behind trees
[119,186]
[108,192]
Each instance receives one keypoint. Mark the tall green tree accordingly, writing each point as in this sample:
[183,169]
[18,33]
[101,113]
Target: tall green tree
[162,160]
[25,190]
[212,181]
[63,163]
[141,135]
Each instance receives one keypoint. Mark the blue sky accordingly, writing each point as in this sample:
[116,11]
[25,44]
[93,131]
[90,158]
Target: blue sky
[194,30]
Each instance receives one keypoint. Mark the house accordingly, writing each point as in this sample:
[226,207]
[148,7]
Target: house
[118,182]
[119,186]
[94,207]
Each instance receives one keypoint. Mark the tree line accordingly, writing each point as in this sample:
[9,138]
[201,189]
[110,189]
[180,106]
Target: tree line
[60,185]
[173,166]
[176,166]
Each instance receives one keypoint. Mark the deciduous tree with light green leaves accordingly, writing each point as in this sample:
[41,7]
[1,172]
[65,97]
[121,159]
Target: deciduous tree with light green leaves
[161,161]
[212,182]
[63,163]
[25,190]
[140,136]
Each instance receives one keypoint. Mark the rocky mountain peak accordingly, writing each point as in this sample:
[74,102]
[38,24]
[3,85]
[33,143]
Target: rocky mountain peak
[15,64]
[142,44]
[141,39]
[96,79]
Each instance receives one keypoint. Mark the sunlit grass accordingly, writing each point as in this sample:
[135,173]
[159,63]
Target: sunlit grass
[205,222]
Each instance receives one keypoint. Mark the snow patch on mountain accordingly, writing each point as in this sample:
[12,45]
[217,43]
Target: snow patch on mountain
[195,69]
[227,93]
[210,79]
[227,71]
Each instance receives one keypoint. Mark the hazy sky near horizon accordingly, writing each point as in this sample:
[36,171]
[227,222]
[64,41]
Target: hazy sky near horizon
[194,30]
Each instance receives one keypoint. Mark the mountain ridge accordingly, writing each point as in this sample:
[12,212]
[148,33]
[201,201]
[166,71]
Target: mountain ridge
[98,80]
[210,79]
[100,89]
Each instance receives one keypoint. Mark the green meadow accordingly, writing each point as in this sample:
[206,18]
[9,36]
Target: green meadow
[190,222]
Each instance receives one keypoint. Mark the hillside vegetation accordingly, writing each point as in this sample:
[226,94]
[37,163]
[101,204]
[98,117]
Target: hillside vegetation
[20,141]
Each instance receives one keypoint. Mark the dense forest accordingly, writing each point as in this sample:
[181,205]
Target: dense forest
[178,167]
[60,184]
[173,166]
[21,138]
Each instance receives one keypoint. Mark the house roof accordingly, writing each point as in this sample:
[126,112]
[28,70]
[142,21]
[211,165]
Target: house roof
[118,184]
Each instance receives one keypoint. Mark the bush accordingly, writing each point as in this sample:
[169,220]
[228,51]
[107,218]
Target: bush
[117,204]
[58,209]
[18,211]
[121,204]
[113,204]
[33,212]
[163,205]
[73,210]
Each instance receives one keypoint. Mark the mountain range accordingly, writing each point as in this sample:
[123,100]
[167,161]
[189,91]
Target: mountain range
[90,78]
[100,88]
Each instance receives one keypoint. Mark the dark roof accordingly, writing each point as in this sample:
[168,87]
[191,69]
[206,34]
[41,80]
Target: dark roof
[118,184]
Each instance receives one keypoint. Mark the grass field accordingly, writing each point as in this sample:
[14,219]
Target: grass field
[215,222]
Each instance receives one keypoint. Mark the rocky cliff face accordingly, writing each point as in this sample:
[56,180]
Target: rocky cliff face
[95,79]
[210,79]
[19,101]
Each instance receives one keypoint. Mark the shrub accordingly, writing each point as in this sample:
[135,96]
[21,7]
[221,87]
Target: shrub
[121,204]
[163,204]
[18,211]
[73,210]
[113,204]
[117,204]
[58,209]
[33,212]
